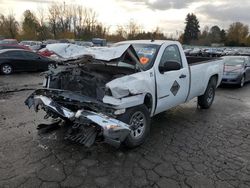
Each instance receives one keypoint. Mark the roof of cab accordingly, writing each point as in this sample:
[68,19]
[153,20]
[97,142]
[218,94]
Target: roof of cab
[158,42]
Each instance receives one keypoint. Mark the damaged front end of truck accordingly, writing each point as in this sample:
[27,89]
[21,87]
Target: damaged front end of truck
[78,94]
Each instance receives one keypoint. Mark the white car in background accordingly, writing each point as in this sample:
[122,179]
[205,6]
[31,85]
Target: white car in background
[33,45]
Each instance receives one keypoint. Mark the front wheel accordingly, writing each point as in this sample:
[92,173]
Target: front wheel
[139,120]
[206,100]
[242,81]
[6,69]
[51,66]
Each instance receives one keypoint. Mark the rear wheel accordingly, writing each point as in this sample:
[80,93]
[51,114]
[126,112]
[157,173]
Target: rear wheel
[139,120]
[206,100]
[6,69]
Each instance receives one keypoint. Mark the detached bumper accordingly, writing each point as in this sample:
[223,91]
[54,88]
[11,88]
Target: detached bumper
[113,131]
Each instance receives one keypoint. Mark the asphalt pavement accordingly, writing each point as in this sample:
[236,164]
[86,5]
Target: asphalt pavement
[188,147]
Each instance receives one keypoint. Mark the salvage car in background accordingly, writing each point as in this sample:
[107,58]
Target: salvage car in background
[113,92]
[15,60]
[213,52]
[195,52]
[187,50]
[45,52]
[236,70]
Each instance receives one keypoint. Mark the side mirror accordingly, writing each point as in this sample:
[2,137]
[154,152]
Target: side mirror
[169,66]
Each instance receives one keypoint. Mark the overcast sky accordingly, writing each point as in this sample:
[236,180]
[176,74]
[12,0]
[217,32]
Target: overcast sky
[169,15]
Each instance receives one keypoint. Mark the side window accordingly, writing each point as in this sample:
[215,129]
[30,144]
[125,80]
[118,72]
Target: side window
[171,53]
[16,54]
[30,55]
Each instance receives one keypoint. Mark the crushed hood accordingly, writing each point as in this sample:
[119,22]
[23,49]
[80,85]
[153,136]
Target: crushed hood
[72,51]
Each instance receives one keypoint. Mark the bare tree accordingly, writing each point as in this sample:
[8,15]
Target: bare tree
[41,15]
[121,32]
[9,27]
[53,19]
[133,29]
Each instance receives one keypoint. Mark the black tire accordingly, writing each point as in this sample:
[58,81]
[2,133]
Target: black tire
[242,81]
[140,132]
[6,69]
[206,100]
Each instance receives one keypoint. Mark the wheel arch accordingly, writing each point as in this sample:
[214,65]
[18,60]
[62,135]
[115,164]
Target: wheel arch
[206,100]
[215,77]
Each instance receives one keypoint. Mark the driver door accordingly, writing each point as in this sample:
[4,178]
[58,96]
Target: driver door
[33,60]
[172,86]
[19,60]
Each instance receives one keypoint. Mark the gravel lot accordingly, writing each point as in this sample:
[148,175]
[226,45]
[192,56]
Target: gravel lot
[188,147]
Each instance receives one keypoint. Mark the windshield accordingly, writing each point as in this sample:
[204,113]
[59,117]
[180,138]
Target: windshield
[234,61]
[147,54]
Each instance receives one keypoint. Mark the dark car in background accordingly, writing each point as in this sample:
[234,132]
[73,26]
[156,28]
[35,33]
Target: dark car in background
[15,60]
[236,70]
[13,46]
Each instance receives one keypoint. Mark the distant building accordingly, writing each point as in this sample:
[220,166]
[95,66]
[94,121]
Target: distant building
[99,42]
[217,44]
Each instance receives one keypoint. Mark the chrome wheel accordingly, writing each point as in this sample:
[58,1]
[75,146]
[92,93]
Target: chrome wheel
[137,122]
[51,66]
[242,81]
[6,69]
[210,95]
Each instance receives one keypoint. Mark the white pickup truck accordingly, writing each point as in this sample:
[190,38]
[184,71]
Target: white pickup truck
[110,94]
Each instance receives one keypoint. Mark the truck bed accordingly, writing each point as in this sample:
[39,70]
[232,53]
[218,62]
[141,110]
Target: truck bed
[201,69]
[192,60]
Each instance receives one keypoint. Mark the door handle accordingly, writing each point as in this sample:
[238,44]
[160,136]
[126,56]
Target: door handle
[183,76]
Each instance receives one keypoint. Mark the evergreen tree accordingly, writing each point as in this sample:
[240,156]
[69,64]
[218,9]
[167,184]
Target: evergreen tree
[192,29]
[223,36]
